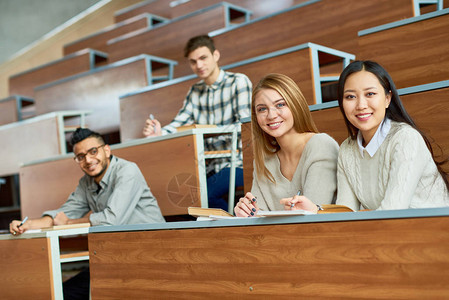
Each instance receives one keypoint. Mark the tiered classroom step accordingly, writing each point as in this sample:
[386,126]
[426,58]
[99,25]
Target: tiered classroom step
[99,40]
[99,90]
[414,51]
[35,138]
[173,9]
[75,63]
[168,39]
[310,59]
[15,108]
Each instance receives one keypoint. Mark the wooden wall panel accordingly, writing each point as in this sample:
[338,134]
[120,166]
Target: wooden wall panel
[8,111]
[25,269]
[369,259]
[297,65]
[168,41]
[169,167]
[328,23]
[413,54]
[164,103]
[27,142]
[97,91]
[430,111]
[46,186]
[24,83]
[50,48]
[98,41]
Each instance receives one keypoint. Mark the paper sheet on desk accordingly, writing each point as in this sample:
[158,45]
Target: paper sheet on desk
[216,217]
[33,231]
[279,213]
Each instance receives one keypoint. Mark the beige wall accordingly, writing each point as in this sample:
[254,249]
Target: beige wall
[50,47]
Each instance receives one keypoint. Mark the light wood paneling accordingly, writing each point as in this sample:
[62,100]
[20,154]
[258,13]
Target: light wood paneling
[162,8]
[248,156]
[370,259]
[171,170]
[8,111]
[50,48]
[430,110]
[168,40]
[169,167]
[297,65]
[99,40]
[326,23]
[46,186]
[98,91]
[413,54]
[24,83]
[25,269]
[164,103]
[27,142]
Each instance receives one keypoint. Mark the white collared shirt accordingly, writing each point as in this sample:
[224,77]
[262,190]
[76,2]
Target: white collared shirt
[377,140]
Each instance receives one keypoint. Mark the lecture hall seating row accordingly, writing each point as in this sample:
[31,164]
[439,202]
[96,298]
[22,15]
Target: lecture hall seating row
[136,106]
[386,13]
[427,104]
[173,9]
[23,83]
[98,89]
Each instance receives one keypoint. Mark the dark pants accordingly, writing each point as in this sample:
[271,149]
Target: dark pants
[77,287]
[218,186]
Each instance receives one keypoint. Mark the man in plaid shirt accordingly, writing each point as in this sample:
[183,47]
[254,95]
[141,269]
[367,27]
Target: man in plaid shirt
[220,98]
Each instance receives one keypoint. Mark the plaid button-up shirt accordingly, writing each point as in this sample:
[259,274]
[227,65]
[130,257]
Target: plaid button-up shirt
[225,102]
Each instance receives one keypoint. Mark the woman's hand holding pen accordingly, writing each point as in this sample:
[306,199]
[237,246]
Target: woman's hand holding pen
[152,128]
[247,206]
[299,202]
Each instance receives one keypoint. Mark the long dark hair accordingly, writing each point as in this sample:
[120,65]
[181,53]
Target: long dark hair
[395,110]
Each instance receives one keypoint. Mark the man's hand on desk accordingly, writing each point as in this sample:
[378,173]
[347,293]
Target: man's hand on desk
[152,128]
[61,219]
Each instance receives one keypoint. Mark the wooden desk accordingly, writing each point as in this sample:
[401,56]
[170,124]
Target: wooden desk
[99,39]
[35,138]
[317,66]
[400,254]
[31,264]
[173,165]
[75,63]
[168,39]
[164,8]
[11,109]
[414,51]
[321,22]
[98,89]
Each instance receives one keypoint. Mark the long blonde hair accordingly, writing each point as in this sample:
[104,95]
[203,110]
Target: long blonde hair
[264,144]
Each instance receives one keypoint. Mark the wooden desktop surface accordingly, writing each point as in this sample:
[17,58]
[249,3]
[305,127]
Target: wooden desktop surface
[372,258]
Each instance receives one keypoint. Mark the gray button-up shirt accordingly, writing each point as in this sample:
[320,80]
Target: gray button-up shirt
[124,197]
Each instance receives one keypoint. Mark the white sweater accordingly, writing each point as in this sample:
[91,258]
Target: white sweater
[315,175]
[400,175]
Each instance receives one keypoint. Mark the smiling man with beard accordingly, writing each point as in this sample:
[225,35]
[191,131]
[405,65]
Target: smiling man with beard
[113,191]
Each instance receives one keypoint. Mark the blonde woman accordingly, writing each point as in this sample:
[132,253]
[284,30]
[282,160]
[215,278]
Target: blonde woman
[290,156]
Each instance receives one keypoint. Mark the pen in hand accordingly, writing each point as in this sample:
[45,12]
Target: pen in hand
[293,204]
[23,222]
[152,118]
